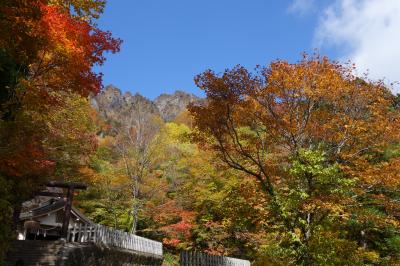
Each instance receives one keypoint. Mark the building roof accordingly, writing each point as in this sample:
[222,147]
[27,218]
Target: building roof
[50,206]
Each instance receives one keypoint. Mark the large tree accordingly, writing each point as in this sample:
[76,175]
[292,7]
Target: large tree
[47,53]
[136,145]
[44,48]
[312,135]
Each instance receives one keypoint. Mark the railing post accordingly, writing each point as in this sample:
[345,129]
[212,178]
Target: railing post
[126,240]
[200,259]
[84,233]
[109,234]
[96,233]
[68,234]
[74,232]
[80,233]
[92,228]
[181,259]
[105,235]
[102,234]
[118,238]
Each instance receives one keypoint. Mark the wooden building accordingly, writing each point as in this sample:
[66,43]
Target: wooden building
[45,221]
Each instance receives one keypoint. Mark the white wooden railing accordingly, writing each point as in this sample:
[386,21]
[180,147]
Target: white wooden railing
[190,258]
[113,238]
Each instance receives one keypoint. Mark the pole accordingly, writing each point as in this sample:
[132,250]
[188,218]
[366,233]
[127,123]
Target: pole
[67,212]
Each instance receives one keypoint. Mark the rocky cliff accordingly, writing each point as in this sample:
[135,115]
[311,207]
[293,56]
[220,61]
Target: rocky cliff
[112,104]
[171,105]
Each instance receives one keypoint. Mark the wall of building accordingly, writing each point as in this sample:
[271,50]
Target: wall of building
[48,219]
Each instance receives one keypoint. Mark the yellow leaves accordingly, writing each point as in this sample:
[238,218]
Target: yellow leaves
[85,9]
[385,173]
[324,206]
[90,176]
[371,256]
[106,141]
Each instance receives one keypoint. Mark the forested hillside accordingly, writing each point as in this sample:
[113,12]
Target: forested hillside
[299,165]
[292,164]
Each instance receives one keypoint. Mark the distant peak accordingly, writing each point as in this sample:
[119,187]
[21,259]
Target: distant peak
[112,103]
[127,94]
[113,89]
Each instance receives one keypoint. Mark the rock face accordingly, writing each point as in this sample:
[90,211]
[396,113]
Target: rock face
[171,105]
[113,105]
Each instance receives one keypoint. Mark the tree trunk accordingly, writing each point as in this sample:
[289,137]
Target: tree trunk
[135,213]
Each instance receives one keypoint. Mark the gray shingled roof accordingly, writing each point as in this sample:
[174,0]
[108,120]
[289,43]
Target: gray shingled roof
[52,206]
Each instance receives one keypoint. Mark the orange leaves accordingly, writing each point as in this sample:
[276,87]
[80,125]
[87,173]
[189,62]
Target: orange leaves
[313,135]
[19,28]
[75,45]
[382,174]
[59,49]
[174,242]
[178,223]
[294,106]
[26,160]
[53,53]
[80,38]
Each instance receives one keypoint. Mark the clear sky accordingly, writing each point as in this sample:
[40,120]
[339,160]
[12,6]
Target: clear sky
[167,42]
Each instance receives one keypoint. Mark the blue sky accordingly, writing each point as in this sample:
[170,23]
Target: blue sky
[166,43]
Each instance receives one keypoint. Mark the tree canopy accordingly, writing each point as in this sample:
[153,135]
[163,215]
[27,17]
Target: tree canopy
[313,136]
[47,53]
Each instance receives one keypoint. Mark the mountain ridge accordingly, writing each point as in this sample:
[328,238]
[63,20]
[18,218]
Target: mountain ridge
[112,103]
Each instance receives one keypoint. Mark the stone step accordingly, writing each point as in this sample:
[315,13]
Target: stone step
[36,248]
[48,258]
[33,262]
[35,252]
[33,257]
[46,250]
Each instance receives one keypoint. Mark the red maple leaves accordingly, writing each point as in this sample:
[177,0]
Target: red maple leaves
[75,47]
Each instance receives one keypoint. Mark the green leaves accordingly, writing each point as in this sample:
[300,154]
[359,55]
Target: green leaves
[314,172]
[320,142]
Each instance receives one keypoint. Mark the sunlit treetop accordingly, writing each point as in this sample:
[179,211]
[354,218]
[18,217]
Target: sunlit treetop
[84,9]
[57,46]
[259,122]
[78,46]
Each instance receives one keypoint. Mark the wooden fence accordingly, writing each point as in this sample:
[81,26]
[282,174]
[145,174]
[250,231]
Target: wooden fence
[113,238]
[188,258]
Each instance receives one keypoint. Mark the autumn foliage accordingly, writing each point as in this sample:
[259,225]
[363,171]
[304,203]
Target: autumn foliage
[75,45]
[295,164]
[313,136]
[47,49]
[47,53]
[51,54]
[292,164]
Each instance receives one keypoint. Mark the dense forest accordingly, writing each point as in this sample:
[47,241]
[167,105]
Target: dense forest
[291,164]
